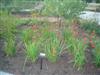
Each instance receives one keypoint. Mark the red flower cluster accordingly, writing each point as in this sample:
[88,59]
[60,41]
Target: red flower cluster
[91,41]
[84,38]
[75,30]
[34,27]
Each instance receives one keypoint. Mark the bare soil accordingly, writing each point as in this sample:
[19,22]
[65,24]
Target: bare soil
[64,66]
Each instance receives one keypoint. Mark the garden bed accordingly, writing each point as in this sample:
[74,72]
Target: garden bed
[63,65]
[51,41]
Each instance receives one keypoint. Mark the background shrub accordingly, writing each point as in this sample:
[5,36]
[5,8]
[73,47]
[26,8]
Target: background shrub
[63,8]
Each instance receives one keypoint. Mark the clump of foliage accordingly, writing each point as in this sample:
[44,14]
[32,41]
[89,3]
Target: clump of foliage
[9,48]
[96,53]
[95,46]
[7,32]
[76,47]
[34,21]
[63,8]
[16,4]
[7,24]
[31,47]
[31,51]
[79,53]
[90,26]
[52,46]
[27,35]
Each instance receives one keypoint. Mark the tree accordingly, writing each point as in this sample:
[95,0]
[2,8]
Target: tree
[5,4]
[98,1]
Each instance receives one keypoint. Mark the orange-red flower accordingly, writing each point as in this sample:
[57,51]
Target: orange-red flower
[92,45]
[34,27]
[85,40]
[91,41]
[93,33]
